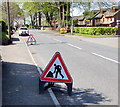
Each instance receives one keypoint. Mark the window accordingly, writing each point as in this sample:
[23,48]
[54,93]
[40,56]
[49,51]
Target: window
[103,19]
[111,19]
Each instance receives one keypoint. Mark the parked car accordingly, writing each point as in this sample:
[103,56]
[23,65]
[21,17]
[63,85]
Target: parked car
[23,31]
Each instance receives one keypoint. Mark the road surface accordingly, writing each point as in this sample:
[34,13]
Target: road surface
[93,67]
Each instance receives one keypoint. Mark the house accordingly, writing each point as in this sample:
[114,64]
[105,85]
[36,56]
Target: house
[108,17]
[80,19]
[104,17]
[86,20]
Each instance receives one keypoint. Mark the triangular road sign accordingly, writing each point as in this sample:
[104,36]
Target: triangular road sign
[31,39]
[56,71]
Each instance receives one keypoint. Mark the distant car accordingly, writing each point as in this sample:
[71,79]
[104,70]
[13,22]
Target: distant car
[23,31]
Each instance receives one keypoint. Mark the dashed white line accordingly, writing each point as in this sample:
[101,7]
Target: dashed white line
[91,52]
[105,58]
[73,46]
[56,40]
[57,104]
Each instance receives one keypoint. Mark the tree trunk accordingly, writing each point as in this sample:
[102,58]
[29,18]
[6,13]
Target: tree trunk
[39,15]
[24,21]
[31,20]
[67,11]
[63,16]
[59,16]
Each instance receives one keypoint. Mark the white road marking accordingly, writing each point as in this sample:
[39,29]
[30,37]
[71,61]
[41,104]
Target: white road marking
[73,46]
[67,44]
[105,58]
[57,104]
[91,52]
[56,40]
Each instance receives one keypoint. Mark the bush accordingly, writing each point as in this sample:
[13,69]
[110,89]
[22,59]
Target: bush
[96,30]
[3,25]
[4,39]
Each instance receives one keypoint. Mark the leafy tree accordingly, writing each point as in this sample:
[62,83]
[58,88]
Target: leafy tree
[32,8]
[15,11]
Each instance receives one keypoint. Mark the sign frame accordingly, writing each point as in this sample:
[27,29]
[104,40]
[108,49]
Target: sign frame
[57,55]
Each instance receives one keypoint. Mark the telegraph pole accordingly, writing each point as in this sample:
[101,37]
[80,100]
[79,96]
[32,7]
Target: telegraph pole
[8,18]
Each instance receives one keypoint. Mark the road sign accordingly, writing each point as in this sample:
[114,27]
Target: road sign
[56,71]
[31,39]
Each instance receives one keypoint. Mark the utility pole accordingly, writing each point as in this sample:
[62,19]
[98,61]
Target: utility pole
[8,18]
[72,19]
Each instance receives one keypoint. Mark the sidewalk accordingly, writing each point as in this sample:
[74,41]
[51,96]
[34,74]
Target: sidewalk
[20,78]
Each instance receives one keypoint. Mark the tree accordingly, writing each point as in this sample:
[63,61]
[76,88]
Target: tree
[33,9]
[15,11]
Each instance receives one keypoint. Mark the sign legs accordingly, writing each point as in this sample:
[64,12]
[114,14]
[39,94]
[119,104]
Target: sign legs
[42,88]
[69,88]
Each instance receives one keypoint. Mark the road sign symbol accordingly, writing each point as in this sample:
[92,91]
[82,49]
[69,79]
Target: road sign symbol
[56,71]
[31,39]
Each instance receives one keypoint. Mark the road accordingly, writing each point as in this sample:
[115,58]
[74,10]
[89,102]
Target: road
[93,67]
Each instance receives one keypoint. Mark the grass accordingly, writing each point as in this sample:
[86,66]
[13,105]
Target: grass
[87,35]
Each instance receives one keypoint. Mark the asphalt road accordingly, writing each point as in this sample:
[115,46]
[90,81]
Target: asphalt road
[93,67]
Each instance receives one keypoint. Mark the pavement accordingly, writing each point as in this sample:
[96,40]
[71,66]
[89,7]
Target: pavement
[20,78]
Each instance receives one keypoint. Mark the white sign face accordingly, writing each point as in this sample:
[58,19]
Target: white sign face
[56,71]
[31,38]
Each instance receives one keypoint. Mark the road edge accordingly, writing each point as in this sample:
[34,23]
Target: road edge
[56,102]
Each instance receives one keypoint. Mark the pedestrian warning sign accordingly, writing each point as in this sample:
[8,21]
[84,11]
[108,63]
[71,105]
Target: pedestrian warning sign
[56,71]
[31,39]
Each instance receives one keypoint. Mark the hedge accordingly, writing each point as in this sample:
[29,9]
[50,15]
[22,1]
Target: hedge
[4,38]
[4,25]
[96,30]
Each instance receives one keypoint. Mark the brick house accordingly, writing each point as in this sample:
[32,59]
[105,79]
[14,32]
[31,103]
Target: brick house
[86,20]
[104,17]
[80,19]
[108,17]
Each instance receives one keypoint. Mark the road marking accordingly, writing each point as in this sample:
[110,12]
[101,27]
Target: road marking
[73,46]
[105,58]
[66,43]
[57,104]
[56,40]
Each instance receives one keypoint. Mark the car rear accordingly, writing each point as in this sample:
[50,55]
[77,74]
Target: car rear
[23,31]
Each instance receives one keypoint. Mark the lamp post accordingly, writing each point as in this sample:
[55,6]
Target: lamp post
[72,20]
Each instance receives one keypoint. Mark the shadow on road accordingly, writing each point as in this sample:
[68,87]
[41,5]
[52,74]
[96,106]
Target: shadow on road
[15,39]
[79,96]
[20,85]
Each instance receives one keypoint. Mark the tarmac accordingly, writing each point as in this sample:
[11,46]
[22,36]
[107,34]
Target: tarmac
[19,75]
[113,42]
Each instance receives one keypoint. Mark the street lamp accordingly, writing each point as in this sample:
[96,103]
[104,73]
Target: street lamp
[72,20]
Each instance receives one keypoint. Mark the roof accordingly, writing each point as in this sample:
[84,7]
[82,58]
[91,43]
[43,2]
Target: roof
[79,17]
[110,13]
[98,16]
